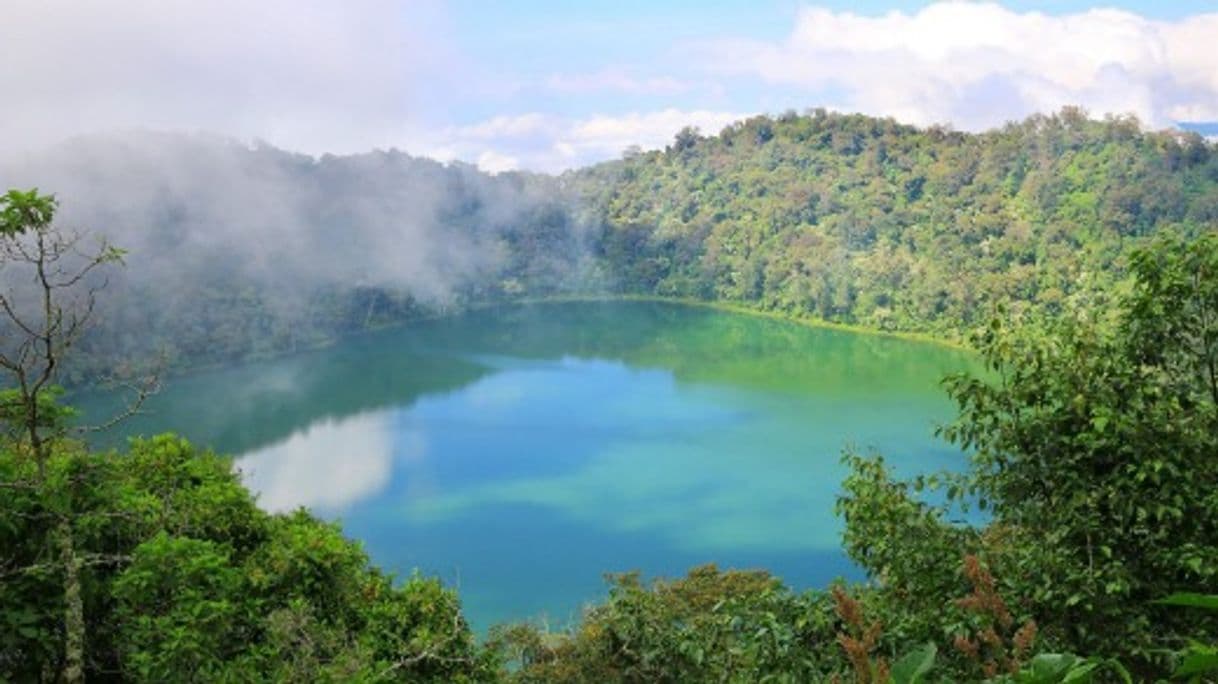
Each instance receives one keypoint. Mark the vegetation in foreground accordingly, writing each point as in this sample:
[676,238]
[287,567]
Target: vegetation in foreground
[1095,453]
[1094,447]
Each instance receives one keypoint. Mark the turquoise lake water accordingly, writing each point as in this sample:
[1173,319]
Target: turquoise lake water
[521,453]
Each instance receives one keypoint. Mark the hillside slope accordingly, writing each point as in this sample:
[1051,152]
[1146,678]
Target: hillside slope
[862,220]
[242,251]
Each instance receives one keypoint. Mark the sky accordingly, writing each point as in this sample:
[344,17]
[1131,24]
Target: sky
[548,86]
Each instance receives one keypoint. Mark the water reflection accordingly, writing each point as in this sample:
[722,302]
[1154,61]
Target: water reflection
[523,452]
[326,466]
[706,468]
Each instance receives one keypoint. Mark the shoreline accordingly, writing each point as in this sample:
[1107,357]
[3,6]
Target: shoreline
[724,307]
[743,310]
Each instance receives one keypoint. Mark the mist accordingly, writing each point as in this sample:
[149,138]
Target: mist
[216,229]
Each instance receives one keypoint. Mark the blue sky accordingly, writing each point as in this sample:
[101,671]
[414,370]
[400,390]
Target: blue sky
[532,41]
[552,85]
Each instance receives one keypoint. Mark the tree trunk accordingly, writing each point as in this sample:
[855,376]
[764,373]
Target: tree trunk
[74,609]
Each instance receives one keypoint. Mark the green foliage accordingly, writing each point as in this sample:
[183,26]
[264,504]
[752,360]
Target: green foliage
[1093,436]
[1196,660]
[860,220]
[1191,600]
[845,218]
[188,580]
[712,625]
[1045,668]
[1173,319]
[22,212]
[176,610]
[1093,442]
[881,516]
[52,415]
[1100,441]
[1064,668]
[915,666]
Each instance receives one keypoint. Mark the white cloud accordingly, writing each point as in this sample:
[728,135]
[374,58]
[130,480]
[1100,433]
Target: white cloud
[552,143]
[648,129]
[310,76]
[520,126]
[978,65]
[316,76]
[493,162]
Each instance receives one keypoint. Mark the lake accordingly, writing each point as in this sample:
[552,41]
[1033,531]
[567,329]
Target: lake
[520,453]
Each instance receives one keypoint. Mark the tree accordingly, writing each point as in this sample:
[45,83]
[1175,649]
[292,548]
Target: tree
[51,278]
[156,564]
[711,625]
[1094,438]
[685,139]
[1098,439]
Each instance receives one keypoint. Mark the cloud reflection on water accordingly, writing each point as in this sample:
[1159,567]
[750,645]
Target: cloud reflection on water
[707,468]
[526,450]
[328,465]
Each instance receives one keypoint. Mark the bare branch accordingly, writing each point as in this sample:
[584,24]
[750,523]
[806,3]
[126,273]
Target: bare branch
[80,275]
[16,319]
[149,387]
[432,652]
[87,560]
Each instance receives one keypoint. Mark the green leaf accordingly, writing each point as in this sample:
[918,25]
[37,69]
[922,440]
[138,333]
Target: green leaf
[913,666]
[1191,600]
[1080,673]
[1197,663]
[1050,667]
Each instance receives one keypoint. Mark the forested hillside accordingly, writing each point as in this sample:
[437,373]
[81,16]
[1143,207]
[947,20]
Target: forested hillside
[248,251]
[1092,446]
[861,220]
[542,342]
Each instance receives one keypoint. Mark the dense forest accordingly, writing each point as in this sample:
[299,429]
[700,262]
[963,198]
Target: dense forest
[1078,257]
[865,221]
[248,251]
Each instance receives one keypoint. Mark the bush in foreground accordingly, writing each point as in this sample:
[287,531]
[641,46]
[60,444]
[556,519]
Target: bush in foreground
[185,579]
